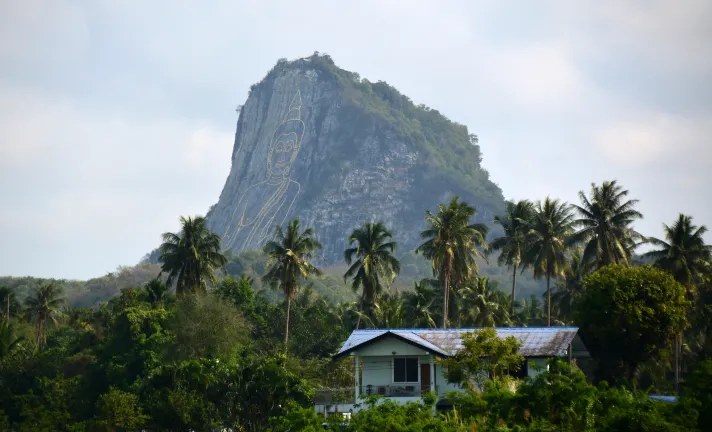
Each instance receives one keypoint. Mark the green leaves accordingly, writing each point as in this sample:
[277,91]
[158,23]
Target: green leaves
[483,356]
[628,315]
[192,256]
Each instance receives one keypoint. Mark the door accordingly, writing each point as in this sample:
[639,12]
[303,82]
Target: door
[424,378]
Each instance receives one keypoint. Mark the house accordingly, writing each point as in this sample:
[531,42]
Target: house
[400,364]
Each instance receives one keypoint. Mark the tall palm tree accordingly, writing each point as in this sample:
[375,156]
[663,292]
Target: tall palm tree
[567,292]
[605,225]
[683,253]
[8,303]
[512,244]
[192,256]
[451,243]
[548,233]
[290,256]
[44,306]
[375,264]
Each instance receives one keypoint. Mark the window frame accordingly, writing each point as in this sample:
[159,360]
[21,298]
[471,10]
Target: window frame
[405,358]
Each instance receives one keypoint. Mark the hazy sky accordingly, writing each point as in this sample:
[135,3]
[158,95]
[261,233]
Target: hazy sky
[117,117]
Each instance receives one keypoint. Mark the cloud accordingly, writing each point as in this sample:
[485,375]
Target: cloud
[537,76]
[88,182]
[637,144]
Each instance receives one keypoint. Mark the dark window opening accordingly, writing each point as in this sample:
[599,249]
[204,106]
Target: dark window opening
[405,370]
[522,373]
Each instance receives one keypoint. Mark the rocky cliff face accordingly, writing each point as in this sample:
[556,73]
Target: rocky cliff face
[317,143]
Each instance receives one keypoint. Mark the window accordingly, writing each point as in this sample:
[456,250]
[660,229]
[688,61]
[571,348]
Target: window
[405,370]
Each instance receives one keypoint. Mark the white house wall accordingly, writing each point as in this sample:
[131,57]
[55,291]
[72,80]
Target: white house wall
[376,371]
[389,345]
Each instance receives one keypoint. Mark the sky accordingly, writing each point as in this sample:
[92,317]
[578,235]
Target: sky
[118,116]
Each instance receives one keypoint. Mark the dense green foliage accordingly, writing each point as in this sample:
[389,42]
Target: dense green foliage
[559,399]
[483,356]
[627,314]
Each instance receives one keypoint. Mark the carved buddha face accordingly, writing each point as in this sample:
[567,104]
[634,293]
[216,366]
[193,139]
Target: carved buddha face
[282,153]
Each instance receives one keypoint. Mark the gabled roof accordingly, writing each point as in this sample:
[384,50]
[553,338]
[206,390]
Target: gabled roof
[536,341]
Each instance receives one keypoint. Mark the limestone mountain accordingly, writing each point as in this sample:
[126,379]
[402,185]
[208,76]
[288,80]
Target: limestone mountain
[319,143]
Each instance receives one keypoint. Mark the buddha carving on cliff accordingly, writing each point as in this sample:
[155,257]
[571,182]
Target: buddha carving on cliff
[268,203]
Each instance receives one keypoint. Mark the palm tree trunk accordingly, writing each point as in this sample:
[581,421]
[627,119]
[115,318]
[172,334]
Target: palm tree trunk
[548,299]
[446,296]
[360,309]
[678,352]
[286,330]
[514,284]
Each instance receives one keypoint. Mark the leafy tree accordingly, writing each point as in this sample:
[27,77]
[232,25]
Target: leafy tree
[697,391]
[43,306]
[561,397]
[483,356]
[547,238]
[119,410]
[451,243]
[375,264]
[627,315]
[290,256]
[512,244]
[605,225]
[207,327]
[683,253]
[192,256]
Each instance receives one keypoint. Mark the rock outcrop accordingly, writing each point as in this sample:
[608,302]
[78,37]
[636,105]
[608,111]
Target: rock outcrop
[320,144]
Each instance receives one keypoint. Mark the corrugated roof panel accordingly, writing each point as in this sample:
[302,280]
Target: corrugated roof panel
[536,341]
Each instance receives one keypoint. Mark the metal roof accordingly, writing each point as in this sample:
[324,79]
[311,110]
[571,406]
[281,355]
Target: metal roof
[536,341]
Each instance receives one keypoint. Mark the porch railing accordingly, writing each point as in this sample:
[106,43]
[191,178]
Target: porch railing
[346,395]
[396,390]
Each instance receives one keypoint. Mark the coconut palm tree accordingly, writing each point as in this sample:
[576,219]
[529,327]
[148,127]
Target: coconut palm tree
[375,265]
[512,243]
[192,256]
[568,291]
[451,243]
[683,253]
[156,290]
[8,340]
[548,233]
[605,220]
[43,306]
[419,304]
[482,305]
[8,303]
[289,263]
